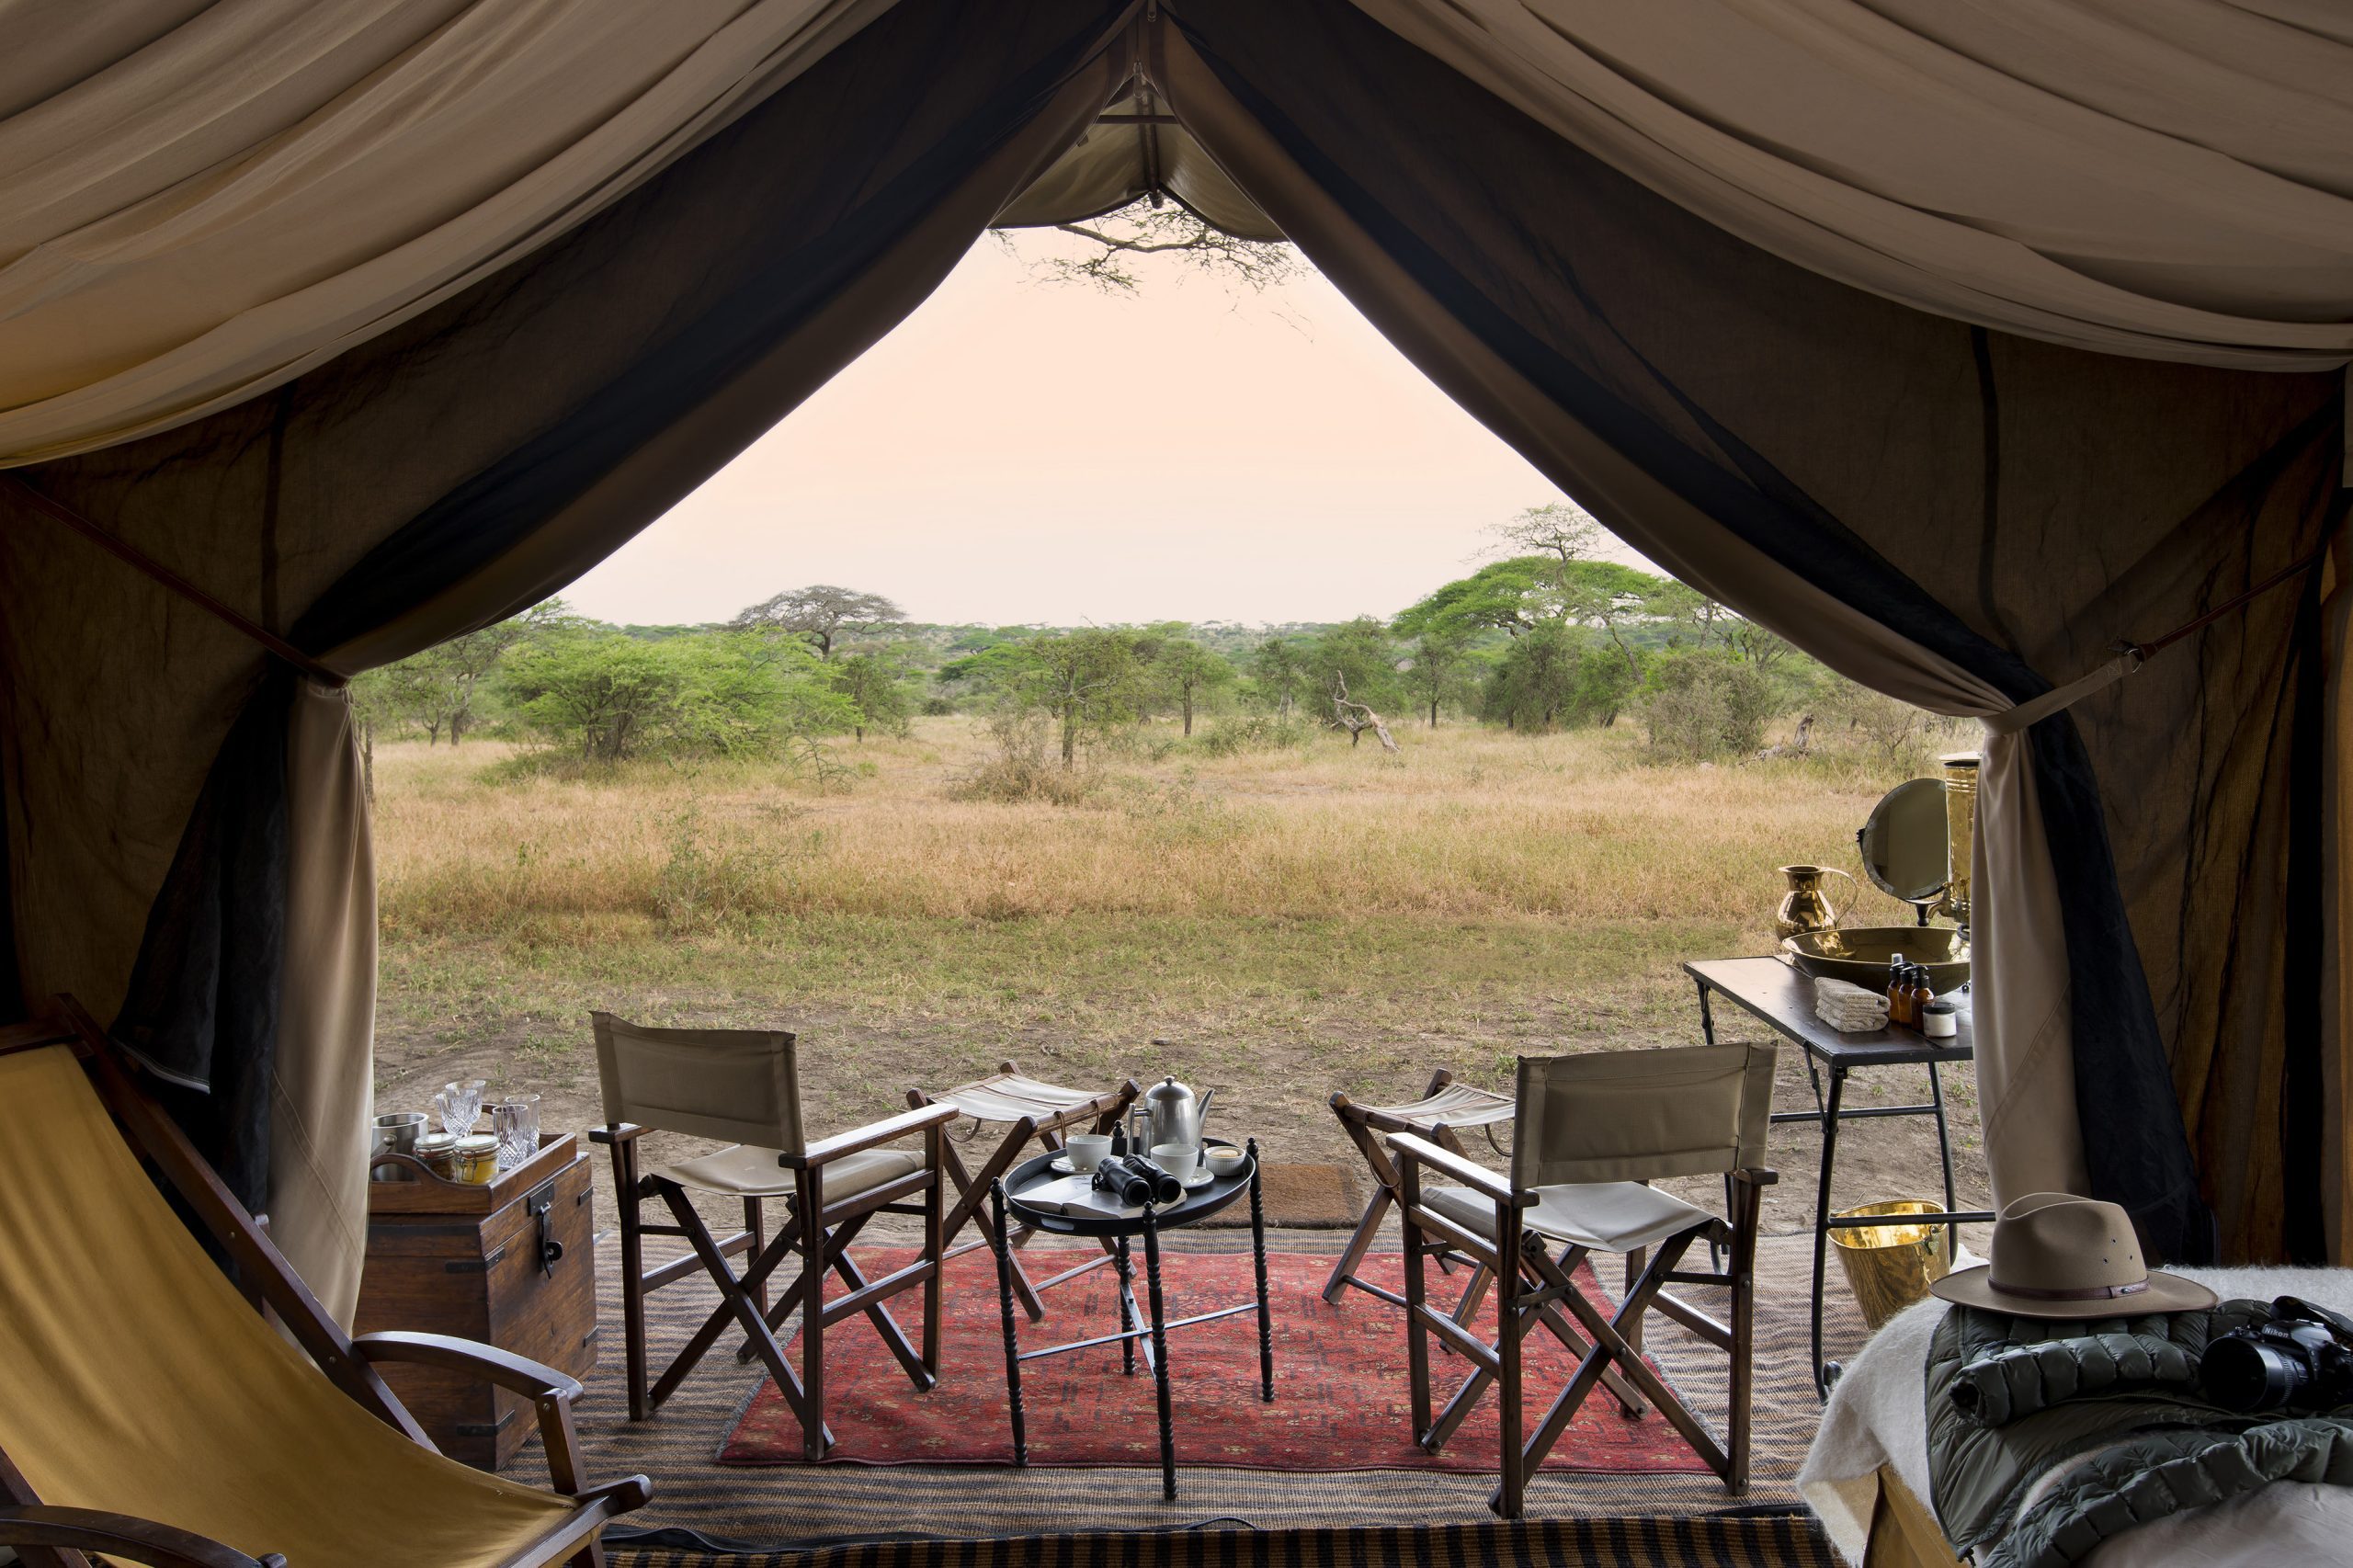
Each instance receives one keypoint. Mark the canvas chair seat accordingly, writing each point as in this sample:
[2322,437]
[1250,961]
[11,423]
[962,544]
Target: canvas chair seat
[1606,1216]
[1009,1097]
[1444,1110]
[1031,1110]
[748,1170]
[136,1379]
[1453,1105]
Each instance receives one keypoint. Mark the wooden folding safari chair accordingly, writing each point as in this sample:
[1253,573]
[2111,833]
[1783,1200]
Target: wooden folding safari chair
[745,1084]
[151,1412]
[1028,1110]
[1592,1132]
[1444,1108]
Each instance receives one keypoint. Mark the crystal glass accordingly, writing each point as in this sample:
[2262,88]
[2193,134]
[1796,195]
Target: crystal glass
[459,1105]
[517,1123]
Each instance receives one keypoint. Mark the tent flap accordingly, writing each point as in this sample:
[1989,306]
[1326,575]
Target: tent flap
[2010,506]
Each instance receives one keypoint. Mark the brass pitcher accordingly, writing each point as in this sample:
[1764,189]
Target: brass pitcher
[1805,907]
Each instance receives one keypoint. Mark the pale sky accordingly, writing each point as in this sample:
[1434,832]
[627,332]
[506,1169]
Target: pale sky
[1020,451]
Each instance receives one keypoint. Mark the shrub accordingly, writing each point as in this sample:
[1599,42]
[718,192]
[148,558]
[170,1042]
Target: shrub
[1701,706]
[606,697]
[1255,732]
[1555,677]
[1027,764]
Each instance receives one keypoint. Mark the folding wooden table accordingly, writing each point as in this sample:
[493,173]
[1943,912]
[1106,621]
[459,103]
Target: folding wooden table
[1778,995]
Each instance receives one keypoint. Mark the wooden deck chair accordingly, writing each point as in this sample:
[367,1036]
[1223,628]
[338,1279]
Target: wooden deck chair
[1444,1108]
[744,1084]
[1028,1110]
[1591,1132]
[149,1412]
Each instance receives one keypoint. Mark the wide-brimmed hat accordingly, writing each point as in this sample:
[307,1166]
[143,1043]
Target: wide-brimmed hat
[2057,1256]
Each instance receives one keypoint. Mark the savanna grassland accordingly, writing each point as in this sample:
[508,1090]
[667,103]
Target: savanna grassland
[1276,923]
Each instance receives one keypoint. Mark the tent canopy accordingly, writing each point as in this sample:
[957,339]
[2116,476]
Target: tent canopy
[1954,347]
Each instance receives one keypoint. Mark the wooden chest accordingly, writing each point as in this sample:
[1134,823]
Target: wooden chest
[512,1264]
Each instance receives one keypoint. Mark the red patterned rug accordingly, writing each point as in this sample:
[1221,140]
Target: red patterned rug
[1340,1400]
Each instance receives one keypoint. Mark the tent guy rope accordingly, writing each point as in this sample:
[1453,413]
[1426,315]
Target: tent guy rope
[271,641]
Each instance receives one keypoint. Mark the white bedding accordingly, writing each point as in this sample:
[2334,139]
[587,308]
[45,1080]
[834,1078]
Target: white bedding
[1878,1416]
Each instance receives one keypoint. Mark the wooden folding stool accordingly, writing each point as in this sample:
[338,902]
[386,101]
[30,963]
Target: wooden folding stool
[1028,1110]
[1445,1107]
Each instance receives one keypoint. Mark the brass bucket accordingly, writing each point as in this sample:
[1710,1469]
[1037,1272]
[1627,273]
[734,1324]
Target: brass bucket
[1891,1267]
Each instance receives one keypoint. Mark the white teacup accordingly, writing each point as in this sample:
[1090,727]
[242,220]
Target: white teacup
[1086,1150]
[1180,1160]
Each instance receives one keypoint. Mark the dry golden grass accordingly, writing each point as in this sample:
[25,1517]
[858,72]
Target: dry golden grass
[1470,825]
[1281,923]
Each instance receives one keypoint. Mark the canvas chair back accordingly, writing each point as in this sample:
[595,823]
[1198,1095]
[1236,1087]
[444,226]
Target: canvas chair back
[742,1086]
[135,1379]
[1642,1115]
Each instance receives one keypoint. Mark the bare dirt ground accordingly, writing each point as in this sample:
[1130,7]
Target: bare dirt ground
[1274,1088]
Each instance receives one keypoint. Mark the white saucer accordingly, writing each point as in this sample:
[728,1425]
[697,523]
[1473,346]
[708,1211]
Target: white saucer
[1062,1166]
[1201,1178]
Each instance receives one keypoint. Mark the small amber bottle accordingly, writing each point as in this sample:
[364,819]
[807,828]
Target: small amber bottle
[1899,992]
[1922,995]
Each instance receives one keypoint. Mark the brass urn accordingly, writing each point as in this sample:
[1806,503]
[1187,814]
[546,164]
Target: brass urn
[1805,907]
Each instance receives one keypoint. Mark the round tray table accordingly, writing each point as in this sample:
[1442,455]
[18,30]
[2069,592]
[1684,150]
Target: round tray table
[1137,1324]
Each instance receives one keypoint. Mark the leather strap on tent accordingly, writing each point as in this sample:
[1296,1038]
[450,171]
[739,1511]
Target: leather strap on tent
[170,579]
[2131,656]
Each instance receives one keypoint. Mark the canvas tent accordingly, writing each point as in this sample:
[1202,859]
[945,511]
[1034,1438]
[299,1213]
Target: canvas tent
[1958,345]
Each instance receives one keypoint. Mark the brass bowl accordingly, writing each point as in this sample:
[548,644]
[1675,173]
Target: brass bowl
[1859,953]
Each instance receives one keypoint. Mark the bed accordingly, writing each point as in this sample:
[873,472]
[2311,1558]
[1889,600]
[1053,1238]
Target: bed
[1866,1476]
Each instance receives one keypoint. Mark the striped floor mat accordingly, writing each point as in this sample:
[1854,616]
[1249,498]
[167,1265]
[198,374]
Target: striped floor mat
[801,1509]
[1736,1541]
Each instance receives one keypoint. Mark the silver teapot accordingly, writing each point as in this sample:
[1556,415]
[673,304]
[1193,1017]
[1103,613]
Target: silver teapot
[1166,1113]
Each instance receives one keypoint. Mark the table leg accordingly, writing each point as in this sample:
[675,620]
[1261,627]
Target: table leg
[1160,1357]
[1259,1257]
[1707,1016]
[1944,1140]
[1005,1313]
[1822,1214]
[1127,1305]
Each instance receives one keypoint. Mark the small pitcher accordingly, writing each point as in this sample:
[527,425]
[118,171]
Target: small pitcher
[1805,907]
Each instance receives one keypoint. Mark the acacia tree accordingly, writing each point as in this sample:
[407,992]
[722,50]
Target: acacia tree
[1280,671]
[871,683]
[1187,672]
[1150,228]
[821,613]
[1440,670]
[1083,680]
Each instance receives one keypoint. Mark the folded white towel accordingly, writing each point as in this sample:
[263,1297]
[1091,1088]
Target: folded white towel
[1849,1008]
[1845,994]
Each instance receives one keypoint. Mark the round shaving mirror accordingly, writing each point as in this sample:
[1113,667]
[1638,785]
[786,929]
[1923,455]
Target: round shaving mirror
[1903,844]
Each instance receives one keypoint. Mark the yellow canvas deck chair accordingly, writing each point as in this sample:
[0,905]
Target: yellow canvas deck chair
[744,1084]
[149,1412]
[1027,1109]
[1592,1132]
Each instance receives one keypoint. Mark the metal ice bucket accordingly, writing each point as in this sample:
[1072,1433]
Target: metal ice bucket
[397,1134]
[1891,1267]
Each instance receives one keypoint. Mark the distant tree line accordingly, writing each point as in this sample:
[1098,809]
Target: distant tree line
[1545,635]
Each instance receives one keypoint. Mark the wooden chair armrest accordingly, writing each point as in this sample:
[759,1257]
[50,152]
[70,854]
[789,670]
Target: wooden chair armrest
[618,1132]
[1759,1176]
[888,1131]
[549,1392]
[530,1379]
[1447,1163]
[123,1536]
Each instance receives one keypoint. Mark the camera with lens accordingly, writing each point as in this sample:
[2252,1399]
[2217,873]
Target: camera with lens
[2302,1359]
